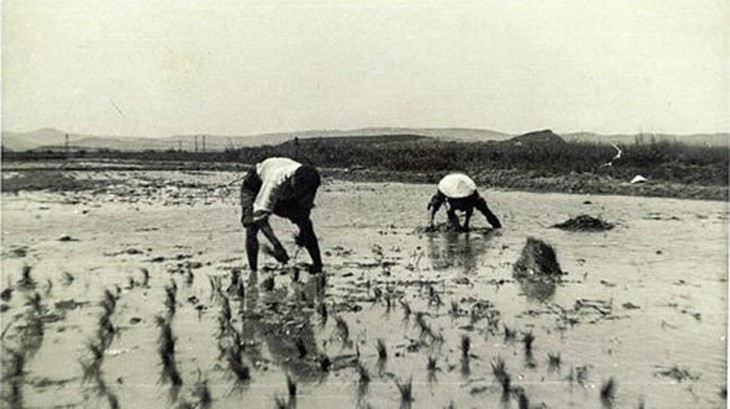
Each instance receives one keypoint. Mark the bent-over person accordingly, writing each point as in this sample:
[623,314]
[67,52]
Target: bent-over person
[286,188]
[459,192]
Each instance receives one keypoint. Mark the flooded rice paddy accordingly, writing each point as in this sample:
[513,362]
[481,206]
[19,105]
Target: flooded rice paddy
[137,295]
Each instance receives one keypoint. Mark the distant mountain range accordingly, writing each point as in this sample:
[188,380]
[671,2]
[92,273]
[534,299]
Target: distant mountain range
[54,139]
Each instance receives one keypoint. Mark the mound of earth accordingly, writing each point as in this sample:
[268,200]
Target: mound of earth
[537,261]
[584,222]
[538,137]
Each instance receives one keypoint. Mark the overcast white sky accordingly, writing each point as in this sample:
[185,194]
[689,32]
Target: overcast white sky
[163,67]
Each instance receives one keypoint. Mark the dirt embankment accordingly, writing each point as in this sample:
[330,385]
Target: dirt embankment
[512,179]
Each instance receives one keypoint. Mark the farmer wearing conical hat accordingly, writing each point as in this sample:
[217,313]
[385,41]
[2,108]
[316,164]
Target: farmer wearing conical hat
[286,188]
[460,193]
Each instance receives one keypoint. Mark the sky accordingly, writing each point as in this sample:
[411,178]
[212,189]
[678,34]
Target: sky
[170,67]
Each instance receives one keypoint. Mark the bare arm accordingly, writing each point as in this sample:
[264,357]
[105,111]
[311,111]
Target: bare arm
[309,240]
[435,204]
[279,252]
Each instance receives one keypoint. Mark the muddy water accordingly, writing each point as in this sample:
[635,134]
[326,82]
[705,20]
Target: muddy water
[640,300]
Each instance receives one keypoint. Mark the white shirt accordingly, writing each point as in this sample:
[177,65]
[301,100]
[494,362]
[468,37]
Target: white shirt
[275,174]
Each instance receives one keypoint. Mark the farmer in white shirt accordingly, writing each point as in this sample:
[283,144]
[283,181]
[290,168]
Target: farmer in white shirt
[460,193]
[287,189]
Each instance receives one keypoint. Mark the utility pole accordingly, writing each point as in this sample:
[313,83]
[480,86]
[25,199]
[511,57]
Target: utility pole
[196,143]
[179,145]
[203,143]
[65,146]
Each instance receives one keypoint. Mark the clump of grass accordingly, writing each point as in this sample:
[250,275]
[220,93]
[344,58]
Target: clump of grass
[499,370]
[406,392]
[608,391]
[381,348]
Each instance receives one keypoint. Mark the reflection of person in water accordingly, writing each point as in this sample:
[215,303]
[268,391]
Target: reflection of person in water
[451,250]
[285,188]
[459,192]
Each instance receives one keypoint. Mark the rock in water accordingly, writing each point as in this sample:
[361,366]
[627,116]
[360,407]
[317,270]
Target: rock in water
[538,261]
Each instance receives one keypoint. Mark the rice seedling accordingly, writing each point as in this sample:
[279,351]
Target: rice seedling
[451,405]
[49,287]
[301,347]
[291,386]
[406,392]
[523,402]
[509,334]
[216,283]
[581,374]
[280,403]
[225,309]
[608,391]
[201,393]
[431,364]
[554,360]
[500,372]
[406,310]
[322,311]
[342,329]
[34,301]
[433,297]
[363,373]
[455,309]
[145,277]
[112,400]
[91,368]
[109,302]
[465,346]
[325,363]
[189,276]
[527,340]
[26,282]
[6,294]
[387,302]
[382,350]
[166,350]
[236,365]
[105,331]
[66,278]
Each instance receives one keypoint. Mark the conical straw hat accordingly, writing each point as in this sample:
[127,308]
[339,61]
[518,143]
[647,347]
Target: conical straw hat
[457,186]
